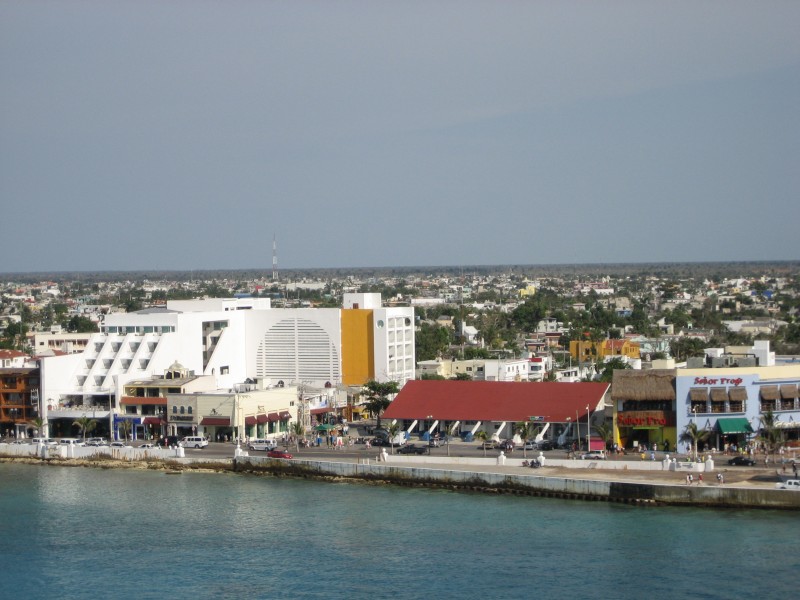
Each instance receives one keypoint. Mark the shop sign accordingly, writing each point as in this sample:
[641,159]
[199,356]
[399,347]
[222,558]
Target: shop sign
[650,418]
[182,418]
[718,381]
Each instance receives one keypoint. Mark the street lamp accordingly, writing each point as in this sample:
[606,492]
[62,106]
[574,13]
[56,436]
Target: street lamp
[588,429]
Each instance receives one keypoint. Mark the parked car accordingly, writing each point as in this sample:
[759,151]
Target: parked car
[194,441]
[530,445]
[789,484]
[594,455]
[147,445]
[97,441]
[507,445]
[741,461]
[169,441]
[279,454]
[119,445]
[70,442]
[45,441]
[412,449]
[264,445]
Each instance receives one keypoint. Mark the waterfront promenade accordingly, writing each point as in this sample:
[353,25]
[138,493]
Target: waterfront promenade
[616,480]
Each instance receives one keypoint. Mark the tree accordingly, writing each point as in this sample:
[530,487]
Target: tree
[38,424]
[605,431]
[393,430]
[298,430]
[770,434]
[463,377]
[377,394]
[85,425]
[692,434]
[606,369]
[431,341]
[525,430]
[482,436]
[125,427]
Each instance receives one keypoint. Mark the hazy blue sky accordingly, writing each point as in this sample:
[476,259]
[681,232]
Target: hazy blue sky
[183,134]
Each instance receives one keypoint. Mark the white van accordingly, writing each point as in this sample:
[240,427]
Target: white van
[44,441]
[265,445]
[70,442]
[194,441]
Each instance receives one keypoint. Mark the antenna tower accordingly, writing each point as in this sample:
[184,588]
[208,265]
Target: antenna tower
[274,258]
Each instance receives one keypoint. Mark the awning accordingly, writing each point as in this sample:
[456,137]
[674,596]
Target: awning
[272,417]
[152,421]
[321,411]
[734,425]
[789,392]
[216,422]
[769,392]
[698,394]
[323,427]
[719,394]
[738,394]
[250,421]
[285,415]
[262,419]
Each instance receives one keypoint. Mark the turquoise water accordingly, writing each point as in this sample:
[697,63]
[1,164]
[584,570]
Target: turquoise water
[91,533]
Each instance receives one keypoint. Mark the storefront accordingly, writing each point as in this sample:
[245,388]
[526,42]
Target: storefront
[644,408]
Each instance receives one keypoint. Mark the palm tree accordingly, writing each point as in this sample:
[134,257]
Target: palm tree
[694,435]
[525,430]
[298,430]
[393,430]
[377,394]
[770,434]
[38,424]
[605,431]
[85,424]
[125,427]
[482,436]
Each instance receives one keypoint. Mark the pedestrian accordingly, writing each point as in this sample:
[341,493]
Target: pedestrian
[699,479]
[688,479]
[720,478]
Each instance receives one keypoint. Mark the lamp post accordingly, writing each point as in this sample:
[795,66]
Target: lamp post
[588,429]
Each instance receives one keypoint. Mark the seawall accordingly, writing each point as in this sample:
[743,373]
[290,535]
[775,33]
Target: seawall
[534,485]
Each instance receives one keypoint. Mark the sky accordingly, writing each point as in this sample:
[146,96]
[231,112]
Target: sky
[177,135]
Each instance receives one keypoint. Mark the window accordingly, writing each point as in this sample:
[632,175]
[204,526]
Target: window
[174,410]
[183,410]
[189,410]
[224,370]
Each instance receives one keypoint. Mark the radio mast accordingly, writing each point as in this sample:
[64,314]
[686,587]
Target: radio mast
[274,258]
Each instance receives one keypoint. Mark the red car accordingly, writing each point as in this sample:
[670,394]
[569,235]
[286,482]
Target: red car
[279,454]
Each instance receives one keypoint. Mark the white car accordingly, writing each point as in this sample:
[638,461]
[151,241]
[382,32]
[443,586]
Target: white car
[789,484]
[119,445]
[265,445]
[97,441]
[594,455]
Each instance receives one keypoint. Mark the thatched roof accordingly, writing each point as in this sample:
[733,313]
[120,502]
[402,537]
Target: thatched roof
[738,393]
[654,384]
[698,394]
[719,394]
[788,391]
[769,392]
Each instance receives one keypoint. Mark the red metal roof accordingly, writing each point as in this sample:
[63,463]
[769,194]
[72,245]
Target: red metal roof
[495,400]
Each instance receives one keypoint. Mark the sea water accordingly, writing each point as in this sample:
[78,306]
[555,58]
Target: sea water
[90,533]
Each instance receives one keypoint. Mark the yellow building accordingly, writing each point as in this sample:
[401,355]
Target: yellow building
[587,350]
